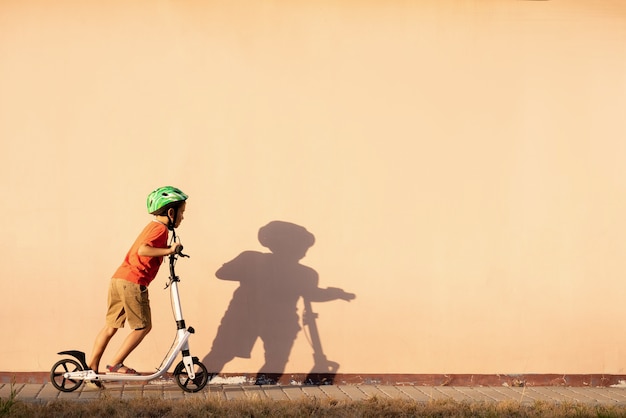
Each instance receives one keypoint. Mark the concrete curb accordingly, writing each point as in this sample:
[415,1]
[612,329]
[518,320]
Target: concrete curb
[44,393]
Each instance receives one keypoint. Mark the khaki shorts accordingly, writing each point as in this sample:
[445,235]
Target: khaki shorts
[128,301]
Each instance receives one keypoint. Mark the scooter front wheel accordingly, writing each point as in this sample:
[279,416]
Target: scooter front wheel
[191,385]
[59,369]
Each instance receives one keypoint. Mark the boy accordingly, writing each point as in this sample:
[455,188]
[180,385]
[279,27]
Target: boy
[128,290]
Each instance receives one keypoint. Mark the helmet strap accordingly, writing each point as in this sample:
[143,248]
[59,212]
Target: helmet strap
[171,223]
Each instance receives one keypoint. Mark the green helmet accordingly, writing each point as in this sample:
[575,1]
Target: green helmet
[163,196]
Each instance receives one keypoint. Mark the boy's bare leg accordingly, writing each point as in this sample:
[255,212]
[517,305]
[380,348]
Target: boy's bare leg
[102,340]
[130,343]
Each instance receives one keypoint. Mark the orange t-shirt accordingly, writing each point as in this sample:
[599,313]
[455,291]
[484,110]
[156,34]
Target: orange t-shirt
[139,269]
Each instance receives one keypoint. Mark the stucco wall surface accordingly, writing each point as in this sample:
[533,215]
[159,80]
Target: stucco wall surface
[459,163]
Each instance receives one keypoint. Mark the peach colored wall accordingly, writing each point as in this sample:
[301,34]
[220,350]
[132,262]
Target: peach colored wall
[460,163]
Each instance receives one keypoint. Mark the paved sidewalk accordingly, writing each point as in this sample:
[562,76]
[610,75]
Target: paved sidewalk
[43,393]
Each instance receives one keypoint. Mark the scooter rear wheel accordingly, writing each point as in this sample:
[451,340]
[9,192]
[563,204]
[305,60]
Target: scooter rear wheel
[59,369]
[191,385]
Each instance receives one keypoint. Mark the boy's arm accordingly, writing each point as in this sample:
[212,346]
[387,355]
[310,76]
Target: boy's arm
[146,250]
[313,293]
[241,268]
[328,294]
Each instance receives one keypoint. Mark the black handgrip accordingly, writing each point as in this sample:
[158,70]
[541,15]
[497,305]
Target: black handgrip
[179,251]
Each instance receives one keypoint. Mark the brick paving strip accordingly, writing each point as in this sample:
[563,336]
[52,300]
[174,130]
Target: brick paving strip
[45,392]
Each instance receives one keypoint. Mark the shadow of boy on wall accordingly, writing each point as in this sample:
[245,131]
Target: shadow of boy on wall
[265,304]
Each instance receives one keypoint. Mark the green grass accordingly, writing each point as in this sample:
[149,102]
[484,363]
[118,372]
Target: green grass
[374,407]
[7,404]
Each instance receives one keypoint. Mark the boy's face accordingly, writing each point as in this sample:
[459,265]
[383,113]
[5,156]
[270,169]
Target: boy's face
[181,213]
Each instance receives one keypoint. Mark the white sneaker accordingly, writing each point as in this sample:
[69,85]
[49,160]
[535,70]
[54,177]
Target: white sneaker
[94,384]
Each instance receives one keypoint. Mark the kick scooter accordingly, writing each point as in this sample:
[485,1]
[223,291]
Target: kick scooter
[190,374]
[324,370]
